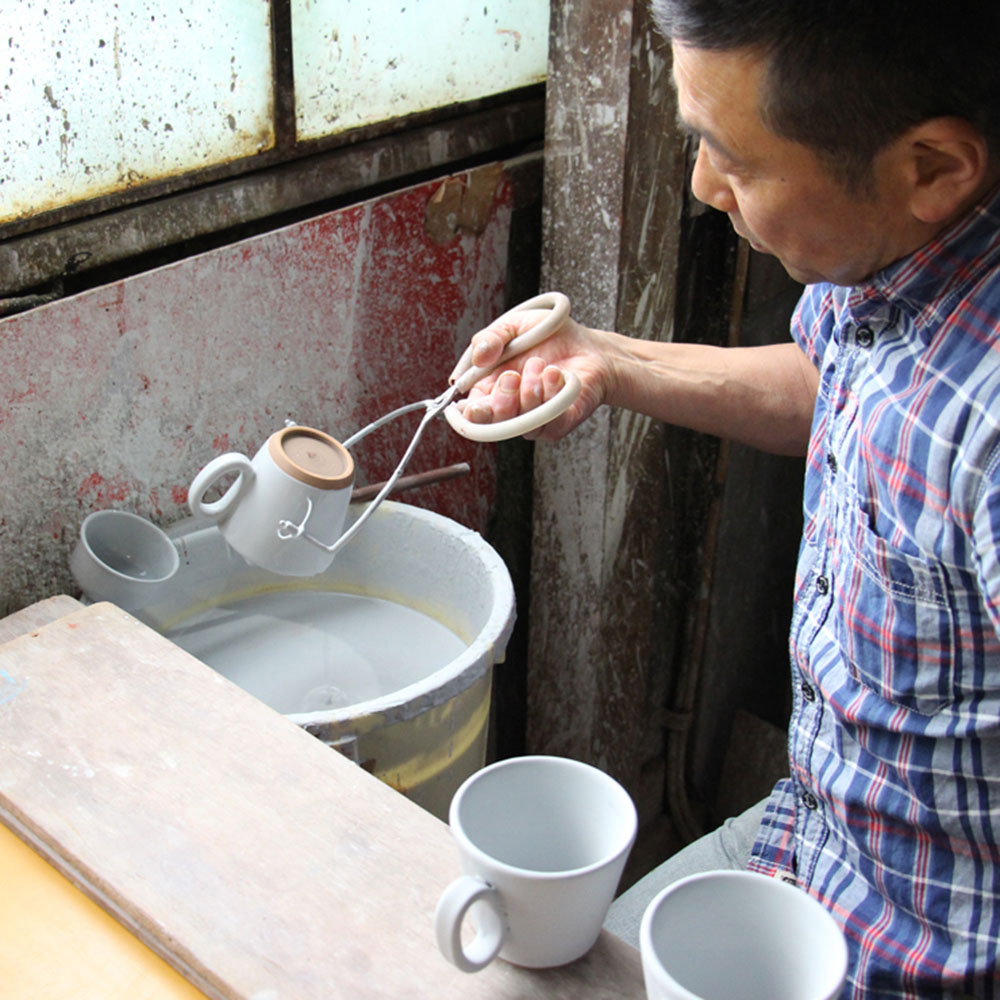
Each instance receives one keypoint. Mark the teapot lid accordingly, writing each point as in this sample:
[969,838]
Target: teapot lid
[312,457]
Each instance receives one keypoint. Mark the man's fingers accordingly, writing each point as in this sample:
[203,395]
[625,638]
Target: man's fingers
[531,384]
[487,346]
[512,392]
[506,396]
[476,406]
[553,380]
[489,343]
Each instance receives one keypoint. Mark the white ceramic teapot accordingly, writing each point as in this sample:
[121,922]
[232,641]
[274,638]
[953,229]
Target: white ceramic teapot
[299,479]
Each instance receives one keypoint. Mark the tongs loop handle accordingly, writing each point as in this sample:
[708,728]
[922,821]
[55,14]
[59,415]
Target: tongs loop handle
[465,375]
[521,424]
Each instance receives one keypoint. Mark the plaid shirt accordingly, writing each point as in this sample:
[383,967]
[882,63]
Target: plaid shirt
[891,814]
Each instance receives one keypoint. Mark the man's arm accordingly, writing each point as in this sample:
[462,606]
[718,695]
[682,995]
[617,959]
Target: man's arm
[761,396]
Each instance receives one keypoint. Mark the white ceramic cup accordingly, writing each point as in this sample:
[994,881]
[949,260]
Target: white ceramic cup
[731,935]
[287,506]
[123,558]
[542,843]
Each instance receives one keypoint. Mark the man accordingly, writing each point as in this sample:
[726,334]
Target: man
[858,142]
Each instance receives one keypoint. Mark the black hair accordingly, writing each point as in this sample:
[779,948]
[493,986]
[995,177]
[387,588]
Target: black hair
[847,77]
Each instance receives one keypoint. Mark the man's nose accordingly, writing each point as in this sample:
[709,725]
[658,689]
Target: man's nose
[709,186]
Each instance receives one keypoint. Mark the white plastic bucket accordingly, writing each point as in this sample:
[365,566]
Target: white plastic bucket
[423,738]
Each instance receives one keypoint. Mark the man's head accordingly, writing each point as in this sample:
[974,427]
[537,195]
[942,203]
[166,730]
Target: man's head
[846,78]
[887,111]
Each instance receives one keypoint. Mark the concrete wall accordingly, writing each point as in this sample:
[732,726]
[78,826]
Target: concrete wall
[117,396]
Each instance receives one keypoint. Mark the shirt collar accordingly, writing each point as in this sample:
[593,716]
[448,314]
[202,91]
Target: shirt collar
[958,254]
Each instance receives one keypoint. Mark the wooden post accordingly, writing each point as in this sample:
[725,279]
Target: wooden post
[622,505]
[614,197]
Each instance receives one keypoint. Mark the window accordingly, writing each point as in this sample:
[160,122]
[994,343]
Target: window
[219,114]
[105,96]
[359,63]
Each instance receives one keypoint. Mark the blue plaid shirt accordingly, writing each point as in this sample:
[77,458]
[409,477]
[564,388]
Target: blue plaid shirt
[891,815]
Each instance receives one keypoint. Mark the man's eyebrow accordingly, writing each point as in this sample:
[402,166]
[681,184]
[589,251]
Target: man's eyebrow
[703,135]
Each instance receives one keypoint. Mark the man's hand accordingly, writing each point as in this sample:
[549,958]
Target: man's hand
[527,381]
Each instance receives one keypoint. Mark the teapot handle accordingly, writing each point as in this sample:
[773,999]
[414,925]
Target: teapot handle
[230,462]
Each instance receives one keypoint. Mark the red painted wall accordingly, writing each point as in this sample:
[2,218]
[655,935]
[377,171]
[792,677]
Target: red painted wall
[117,396]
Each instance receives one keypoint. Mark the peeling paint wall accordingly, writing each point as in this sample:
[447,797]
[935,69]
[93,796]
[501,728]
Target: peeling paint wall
[116,397]
[587,107]
[613,200]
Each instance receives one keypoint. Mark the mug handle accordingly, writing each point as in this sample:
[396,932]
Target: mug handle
[451,910]
[232,461]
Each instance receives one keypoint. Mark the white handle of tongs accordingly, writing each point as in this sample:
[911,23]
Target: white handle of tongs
[465,376]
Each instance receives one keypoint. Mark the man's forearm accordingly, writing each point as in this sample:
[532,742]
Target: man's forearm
[761,396]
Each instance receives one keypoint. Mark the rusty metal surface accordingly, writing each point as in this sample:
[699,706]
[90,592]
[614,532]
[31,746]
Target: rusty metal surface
[117,396]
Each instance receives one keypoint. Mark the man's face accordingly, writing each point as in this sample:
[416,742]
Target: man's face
[777,193]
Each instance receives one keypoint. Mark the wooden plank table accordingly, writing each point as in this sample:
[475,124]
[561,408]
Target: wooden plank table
[227,840]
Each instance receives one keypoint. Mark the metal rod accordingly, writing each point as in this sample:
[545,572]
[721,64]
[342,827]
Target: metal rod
[446,472]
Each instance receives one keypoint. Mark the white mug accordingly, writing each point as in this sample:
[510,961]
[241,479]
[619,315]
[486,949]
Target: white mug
[286,508]
[726,934]
[123,558]
[542,843]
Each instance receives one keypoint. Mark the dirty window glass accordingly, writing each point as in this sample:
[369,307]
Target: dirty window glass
[357,63]
[100,96]
[103,96]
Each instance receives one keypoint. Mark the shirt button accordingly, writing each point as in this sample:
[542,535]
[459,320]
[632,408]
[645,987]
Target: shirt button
[864,336]
[808,691]
[810,801]
[831,461]
[822,585]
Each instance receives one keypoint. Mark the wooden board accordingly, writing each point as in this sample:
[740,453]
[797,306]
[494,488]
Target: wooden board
[255,861]
[37,615]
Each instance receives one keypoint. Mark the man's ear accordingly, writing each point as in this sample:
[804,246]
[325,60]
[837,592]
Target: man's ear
[947,164]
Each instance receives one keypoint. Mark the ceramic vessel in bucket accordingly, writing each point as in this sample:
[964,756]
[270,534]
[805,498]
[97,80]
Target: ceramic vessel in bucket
[287,505]
[123,558]
[388,655]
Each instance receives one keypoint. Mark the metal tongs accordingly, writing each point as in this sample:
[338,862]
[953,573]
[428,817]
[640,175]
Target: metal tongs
[462,379]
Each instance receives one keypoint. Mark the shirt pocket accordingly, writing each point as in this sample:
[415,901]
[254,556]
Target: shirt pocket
[901,624]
